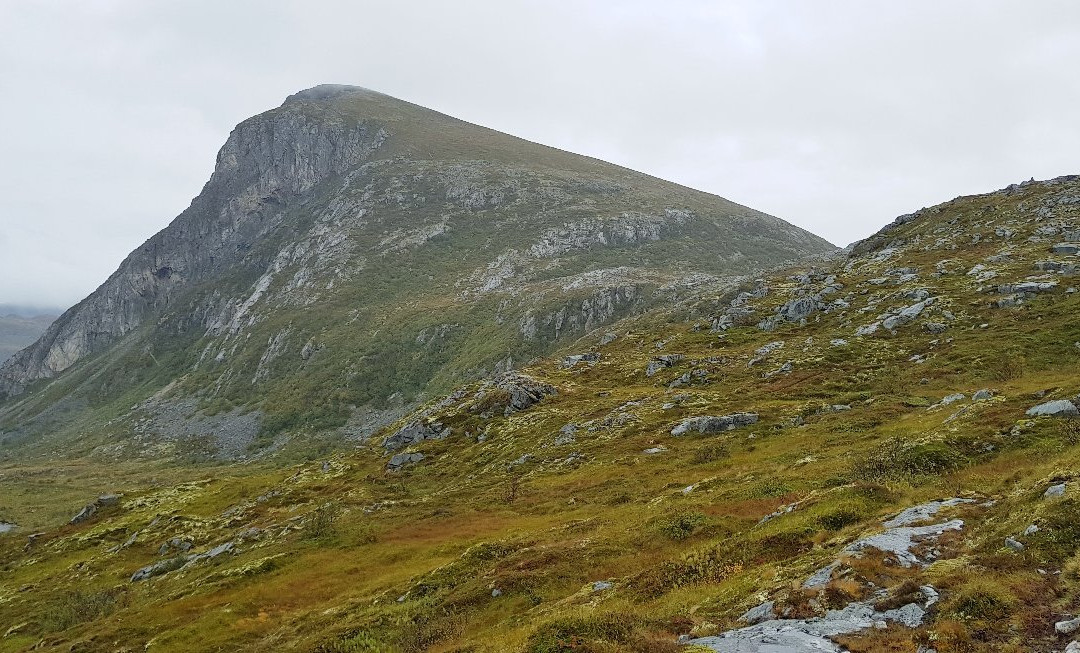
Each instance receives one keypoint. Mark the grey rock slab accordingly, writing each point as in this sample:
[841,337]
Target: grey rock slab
[714,424]
[160,567]
[662,362]
[806,635]
[1056,408]
[821,577]
[906,315]
[923,512]
[589,357]
[868,329]
[910,615]
[930,594]
[1014,544]
[760,613]
[399,460]
[899,541]
[412,433]
[1067,627]
[1054,491]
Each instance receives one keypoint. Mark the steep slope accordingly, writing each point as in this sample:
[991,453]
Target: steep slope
[20,330]
[879,452]
[352,252]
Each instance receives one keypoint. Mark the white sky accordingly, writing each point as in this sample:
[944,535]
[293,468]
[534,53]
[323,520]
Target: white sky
[836,115]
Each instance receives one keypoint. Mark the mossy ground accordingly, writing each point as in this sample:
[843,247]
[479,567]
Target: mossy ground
[470,551]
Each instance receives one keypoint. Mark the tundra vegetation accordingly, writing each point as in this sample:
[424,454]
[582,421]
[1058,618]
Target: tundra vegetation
[571,507]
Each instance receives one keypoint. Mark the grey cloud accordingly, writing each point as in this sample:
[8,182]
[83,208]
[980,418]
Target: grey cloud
[835,115]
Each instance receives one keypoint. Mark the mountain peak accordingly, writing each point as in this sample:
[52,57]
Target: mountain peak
[331,92]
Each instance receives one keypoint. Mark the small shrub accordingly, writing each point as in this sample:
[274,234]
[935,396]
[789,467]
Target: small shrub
[355,641]
[904,593]
[322,522]
[1070,431]
[770,488]
[681,525]
[1005,368]
[1059,536]
[895,459]
[512,489]
[580,634]
[710,453]
[982,600]
[79,607]
[840,517]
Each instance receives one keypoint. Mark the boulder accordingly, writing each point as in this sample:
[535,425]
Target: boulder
[523,390]
[399,460]
[714,424]
[415,432]
[763,612]
[90,509]
[1066,248]
[1054,491]
[906,315]
[1056,408]
[160,567]
[1067,627]
[1027,287]
[662,362]
[590,358]
[868,329]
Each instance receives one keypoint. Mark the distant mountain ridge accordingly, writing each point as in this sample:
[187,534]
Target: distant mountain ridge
[20,326]
[353,252]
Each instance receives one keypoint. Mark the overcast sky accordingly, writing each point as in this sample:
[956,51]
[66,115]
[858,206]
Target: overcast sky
[836,115]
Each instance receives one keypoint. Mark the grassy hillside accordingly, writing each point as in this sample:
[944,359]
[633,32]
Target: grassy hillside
[581,522]
[352,254]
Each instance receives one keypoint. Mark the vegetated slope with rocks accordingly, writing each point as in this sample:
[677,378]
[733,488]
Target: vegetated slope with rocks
[18,331]
[878,453]
[352,253]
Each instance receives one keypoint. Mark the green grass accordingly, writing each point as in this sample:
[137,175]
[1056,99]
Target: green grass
[475,572]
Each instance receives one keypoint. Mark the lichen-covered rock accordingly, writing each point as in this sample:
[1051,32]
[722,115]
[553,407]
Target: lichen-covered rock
[662,362]
[757,614]
[590,357]
[906,315]
[399,460]
[415,432]
[714,424]
[90,509]
[520,391]
[1054,491]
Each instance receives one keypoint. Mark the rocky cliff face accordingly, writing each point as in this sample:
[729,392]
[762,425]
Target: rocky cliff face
[340,227]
